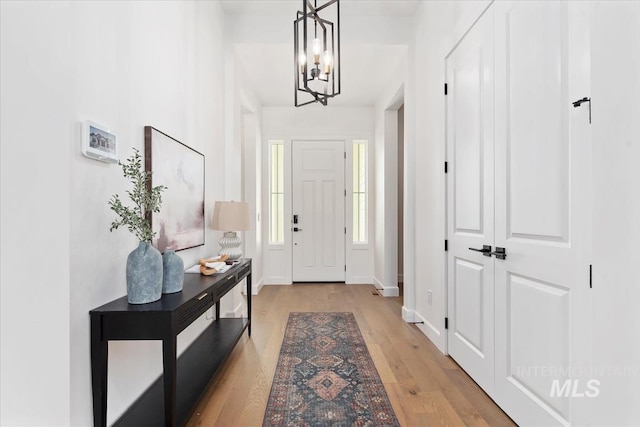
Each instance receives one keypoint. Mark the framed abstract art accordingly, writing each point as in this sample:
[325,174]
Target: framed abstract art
[180,222]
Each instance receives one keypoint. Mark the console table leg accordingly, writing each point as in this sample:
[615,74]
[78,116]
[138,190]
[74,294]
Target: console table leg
[99,357]
[249,290]
[169,350]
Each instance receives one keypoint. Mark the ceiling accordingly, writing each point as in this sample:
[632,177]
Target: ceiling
[347,7]
[363,74]
[367,63]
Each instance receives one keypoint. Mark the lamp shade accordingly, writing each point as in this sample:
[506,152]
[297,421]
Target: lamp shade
[230,216]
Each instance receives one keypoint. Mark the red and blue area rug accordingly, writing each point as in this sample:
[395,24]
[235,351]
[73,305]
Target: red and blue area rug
[325,376]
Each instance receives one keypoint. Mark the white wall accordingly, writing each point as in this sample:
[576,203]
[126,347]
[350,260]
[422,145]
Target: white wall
[35,209]
[150,63]
[386,183]
[400,175]
[244,120]
[252,147]
[312,122]
[615,323]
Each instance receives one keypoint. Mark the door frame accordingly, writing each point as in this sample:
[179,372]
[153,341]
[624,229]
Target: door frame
[359,257]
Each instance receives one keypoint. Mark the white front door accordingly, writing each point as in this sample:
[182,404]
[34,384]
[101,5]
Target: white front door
[470,202]
[318,211]
[542,181]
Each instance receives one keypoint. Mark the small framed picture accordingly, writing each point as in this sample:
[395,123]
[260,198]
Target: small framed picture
[99,142]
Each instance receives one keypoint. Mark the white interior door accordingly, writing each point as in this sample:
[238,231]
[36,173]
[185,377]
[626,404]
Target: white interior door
[470,205]
[542,183]
[318,211]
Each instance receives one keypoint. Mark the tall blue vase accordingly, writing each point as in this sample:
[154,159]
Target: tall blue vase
[144,274]
[173,272]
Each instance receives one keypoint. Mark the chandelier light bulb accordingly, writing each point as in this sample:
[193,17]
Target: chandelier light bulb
[317,48]
[328,62]
[302,60]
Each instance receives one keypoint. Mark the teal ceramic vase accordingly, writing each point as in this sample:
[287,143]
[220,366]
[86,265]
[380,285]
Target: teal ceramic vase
[144,274]
[173,272]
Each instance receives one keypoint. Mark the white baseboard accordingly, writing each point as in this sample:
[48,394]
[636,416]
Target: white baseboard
[359,280]
[391,291]
[255,289]
[236,313]
[276,281]
[408,315]
[432,329]
[386,291]
[434,334]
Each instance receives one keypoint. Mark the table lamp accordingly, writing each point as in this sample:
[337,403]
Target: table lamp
[230,217]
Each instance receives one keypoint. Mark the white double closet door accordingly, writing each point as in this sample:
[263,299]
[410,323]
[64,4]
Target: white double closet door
[518,181]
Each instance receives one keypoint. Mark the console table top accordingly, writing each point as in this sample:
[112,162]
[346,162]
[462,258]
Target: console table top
[194,284]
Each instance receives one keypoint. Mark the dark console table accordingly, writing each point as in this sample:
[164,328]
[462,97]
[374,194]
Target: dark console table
[185,378]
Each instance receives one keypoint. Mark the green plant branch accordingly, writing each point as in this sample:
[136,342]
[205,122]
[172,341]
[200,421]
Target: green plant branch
[135,218]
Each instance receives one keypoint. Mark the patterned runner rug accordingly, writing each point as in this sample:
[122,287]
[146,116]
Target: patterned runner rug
[325,376]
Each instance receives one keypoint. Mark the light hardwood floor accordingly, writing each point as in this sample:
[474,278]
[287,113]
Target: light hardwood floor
[425,387]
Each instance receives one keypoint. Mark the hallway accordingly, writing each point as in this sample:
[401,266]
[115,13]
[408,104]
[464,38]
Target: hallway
[424,386]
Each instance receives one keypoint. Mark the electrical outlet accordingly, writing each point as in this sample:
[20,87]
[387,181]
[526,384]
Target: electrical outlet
[430,297]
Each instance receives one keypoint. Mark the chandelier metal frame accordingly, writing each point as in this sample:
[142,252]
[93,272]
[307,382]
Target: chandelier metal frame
[324,31]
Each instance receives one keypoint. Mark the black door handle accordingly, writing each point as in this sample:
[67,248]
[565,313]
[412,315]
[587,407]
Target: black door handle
[579,102]
[296,229]
[500,253]
[486,250]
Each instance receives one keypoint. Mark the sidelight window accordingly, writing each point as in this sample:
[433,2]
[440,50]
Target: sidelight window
[276,192]
[360,191]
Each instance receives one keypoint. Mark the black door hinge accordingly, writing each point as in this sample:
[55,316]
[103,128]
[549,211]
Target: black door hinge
[590,276]
[446,89]
[446,245]
[446,167]
[446,323]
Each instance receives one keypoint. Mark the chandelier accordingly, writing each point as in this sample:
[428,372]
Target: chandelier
[316,35]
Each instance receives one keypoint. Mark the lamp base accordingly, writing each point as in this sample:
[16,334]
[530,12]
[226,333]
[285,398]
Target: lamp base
[230,245]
